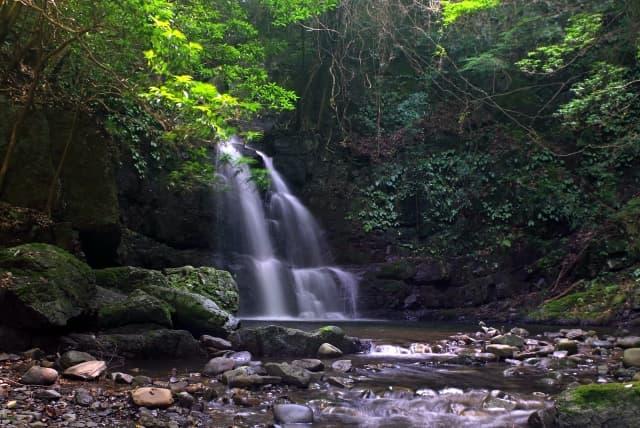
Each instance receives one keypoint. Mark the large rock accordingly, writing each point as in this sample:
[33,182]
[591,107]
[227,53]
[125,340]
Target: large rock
[42,287]
[290,375]
[631,357]
[509,339]
[218,365]
[502,351]
[292,414]
[628,342]
[327,350]
[37,375]
[600,405]
[282,341]
[72,358]
[89,370]
[136,308]
[152,397]
[217,285]
[143,342]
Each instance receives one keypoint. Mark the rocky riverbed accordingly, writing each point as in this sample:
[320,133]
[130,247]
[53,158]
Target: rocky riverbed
[275,375]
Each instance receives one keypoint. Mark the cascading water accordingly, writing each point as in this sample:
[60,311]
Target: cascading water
[279,251]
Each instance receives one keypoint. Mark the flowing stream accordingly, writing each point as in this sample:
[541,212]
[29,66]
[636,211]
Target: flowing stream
[276,248]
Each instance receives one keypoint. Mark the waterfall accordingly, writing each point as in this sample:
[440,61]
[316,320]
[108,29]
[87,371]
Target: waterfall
[277,248]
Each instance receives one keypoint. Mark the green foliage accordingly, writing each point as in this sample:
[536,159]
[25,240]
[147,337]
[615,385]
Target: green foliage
[452,10]
[287,12]
[195,170]
[581,32]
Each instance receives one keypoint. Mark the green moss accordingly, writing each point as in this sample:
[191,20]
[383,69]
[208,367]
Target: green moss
[214,284]
[137,308]
[603,395]
[129,278]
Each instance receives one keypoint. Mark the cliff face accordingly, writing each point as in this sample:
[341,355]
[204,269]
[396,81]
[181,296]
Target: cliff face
[103,208]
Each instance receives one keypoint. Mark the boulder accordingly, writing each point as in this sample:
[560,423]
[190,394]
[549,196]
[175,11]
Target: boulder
[216,285]
[215,342]
[86,371]
[71,358]
[136,308]
[400,269]
[509,339]
[252,380]
[327,350]
[39,376]
[42,287]
[631,357]
[342,366]
[502,351]
[311,364]
[272,341]
[218,365]
[241,358]
[127,279]
[292,414]
[571,346]
[124,378]
[142,342]
[290,375]
[628,342]
[152,398]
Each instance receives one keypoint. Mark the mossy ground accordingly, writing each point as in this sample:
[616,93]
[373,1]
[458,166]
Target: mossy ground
[602,395]
[597,301]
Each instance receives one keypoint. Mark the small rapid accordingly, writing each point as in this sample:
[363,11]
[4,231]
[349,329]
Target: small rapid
[277,248]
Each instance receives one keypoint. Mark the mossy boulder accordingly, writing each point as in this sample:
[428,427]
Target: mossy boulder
[136,308]
[270,341]
[598,405]
[128,279]
[43,286]
[217,285]
[400,269]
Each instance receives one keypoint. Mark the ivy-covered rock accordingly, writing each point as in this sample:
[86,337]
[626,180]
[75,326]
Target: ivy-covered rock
[43,286]
[136,308]
[217,285]
[596,405]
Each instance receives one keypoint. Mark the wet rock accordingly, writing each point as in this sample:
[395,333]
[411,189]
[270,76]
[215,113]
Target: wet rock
[327,350]
[499,399]
[152,397]
[543,418]
[485,357]
[86,371]
[39,376]
[215,342]
[253,380]
[628,342]
[292,414]
[185,400]
[311,364]
[72,358]
[83,397]
[241,358]
[342,366]
[519,332]
[631,357]
[119,377]
[509,339]
[575,334]
[502,351]
[340,382]
[33,354]
[142,381]
[47,394]
[571,346]
[138,307]
[290,375]
[218,365]
[605,405]
[178,387]
[277,341]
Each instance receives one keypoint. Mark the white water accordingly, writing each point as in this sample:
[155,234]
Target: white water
[280,250]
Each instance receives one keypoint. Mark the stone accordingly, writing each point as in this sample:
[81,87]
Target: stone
[152,397]
[48,394]
[33,354]
[141,381]
[119,377]
[290,375]
[71,358]
[185,400]
[89,370]
[340,382]
[215,342]
[43,287]
[509,339]
[83,397]
[39,376]
[519,332]
[327,350]
[278,341]
[311,364]
[342,366]
[241,358]
[631,357]
[628,342]
[218,365]
[252,380]
[571,346]
[136,308]
[575,334]
[502,351]
[292,414]
[214,284]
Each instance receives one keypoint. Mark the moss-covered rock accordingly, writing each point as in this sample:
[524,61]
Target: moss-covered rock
[42,286]
[400,269]
[598,405]
[136,308]
[217,285]
[127,278]
[195,312]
